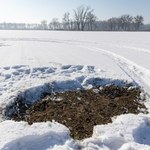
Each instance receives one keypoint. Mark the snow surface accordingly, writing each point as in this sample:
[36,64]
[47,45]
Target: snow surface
[34,62]
[127,132]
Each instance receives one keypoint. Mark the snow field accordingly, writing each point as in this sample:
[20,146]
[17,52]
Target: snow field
[31,64]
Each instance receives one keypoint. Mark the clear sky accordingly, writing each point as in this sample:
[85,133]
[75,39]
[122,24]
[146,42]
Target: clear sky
[33,11]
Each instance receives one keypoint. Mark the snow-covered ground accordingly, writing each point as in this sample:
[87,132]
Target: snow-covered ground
[32,62]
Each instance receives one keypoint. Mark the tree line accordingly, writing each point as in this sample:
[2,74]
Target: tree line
[83,18]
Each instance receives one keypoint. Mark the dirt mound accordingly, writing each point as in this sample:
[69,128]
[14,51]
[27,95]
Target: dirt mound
[81,110]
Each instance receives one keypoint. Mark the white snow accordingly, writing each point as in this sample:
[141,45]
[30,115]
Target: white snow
[39,136]
[34,62]
[125,133]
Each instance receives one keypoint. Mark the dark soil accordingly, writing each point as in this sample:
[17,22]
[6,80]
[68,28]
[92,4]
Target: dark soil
[81,110]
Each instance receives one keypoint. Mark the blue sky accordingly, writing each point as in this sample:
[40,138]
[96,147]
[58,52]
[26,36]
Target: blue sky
[33,11]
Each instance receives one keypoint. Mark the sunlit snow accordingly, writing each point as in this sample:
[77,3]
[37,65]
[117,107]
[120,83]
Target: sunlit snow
[32,61]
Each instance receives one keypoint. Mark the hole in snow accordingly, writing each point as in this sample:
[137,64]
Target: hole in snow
[79,110]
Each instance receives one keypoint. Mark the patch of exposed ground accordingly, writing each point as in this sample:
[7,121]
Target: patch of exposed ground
[81,110]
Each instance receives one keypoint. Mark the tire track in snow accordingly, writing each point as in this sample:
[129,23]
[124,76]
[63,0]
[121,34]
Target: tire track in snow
[136,72]
[139,49]
[133,48]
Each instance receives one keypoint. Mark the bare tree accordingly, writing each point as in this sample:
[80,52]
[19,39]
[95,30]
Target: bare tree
[113,23]
[91,19]
[66,21]
[110,23]
[72,25]
[44,25]
[126,20]
[80,16]
[129,20]
[138,21]
[54,24]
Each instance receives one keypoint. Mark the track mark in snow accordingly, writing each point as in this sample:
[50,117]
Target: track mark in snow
[133,70]
[134,48]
